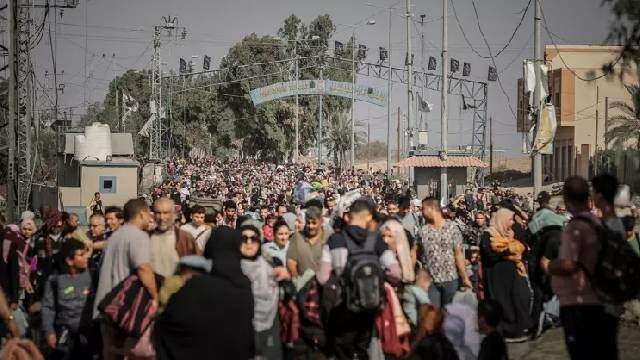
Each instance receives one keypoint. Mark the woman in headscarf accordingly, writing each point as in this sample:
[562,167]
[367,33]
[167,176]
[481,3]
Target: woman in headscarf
[396,238]
[264,284]
[505,275]
[211,316]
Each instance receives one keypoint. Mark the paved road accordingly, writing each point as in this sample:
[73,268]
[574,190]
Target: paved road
[551,346]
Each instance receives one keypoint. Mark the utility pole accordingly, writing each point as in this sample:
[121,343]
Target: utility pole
[297,125]
[596,134]
[118,119]
[606,122]
[409,85]
[398,133]
[158,137]
[320,138]
[368,139]
[389,84]
[490,146]
[444,127]
[353,100]
[537,157]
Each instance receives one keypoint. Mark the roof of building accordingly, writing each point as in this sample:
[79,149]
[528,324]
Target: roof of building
[115,162]
[436,162]
[121,144]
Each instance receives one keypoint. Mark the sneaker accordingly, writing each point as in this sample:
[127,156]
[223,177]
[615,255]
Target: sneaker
[516,340]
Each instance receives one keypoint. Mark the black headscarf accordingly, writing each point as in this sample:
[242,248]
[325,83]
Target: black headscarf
[223,248]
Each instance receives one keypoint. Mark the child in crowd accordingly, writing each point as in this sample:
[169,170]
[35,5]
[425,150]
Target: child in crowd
[493,346]
[416,295]
[67,304]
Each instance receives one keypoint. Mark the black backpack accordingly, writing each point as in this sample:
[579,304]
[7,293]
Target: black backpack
[363,276]
[616,278]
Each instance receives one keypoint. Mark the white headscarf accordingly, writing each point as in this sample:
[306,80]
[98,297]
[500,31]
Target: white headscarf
[403,251]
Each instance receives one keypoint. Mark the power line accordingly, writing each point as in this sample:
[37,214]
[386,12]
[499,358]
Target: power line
[605,73]
[493,60]
[513,34]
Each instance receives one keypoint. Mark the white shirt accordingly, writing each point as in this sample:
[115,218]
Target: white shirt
[201,234]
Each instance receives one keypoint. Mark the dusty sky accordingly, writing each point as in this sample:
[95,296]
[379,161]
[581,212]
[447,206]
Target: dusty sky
[119,37]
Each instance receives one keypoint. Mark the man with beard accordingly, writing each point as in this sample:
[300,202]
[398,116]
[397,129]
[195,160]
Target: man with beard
[168,243]
[305,248]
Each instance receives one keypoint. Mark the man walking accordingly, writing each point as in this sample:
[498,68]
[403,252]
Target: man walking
[590,332]
[442,254]
[168,243]
[128,253]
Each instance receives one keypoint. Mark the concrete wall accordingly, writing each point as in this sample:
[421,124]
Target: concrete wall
[70,196]
[126,184]
[424,177]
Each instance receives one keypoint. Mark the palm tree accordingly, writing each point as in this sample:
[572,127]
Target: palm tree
[625,126]
[338,137]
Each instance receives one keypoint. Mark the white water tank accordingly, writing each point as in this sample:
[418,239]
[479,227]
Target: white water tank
[95,144]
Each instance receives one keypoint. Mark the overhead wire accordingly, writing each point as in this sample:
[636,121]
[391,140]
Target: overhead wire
[604,74]
[506,45]
[493,60]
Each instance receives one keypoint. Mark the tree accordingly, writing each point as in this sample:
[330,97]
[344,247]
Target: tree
[626,126]
[625,31]
[338,137]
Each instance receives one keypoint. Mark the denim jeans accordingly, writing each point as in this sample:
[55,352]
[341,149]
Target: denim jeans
[441,294]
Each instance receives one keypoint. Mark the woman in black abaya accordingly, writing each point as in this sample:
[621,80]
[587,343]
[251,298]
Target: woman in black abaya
[211,316]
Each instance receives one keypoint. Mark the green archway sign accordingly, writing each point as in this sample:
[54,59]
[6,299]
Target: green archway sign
[319,87]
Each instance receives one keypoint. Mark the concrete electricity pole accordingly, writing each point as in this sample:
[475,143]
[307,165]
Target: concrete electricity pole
[444,188]
[389,99]
[320,137]
[409,85]
[537,157]
[297,125]
[353,100]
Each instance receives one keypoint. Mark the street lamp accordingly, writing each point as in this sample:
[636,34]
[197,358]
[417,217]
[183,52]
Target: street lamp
[353,89]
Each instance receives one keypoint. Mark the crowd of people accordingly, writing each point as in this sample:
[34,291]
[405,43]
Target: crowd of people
[303,263]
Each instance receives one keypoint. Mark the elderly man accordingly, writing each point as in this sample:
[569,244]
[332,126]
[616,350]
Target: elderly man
[168,243]
[96,231]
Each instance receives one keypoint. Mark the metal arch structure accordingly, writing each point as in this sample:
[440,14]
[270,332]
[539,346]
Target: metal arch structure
[475,91]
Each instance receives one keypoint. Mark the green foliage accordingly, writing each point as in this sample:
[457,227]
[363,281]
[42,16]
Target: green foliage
[626,125]
[235,125]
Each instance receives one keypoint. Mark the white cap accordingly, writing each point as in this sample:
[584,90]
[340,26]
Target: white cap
[623,197]
[28,215]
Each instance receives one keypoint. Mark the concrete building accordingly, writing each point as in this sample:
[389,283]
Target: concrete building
[581,106]
[426,166]
[115,177]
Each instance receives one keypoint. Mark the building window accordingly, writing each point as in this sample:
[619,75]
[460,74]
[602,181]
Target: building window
[108,184]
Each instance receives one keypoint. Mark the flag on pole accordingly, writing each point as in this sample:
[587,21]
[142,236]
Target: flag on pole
[423,105]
